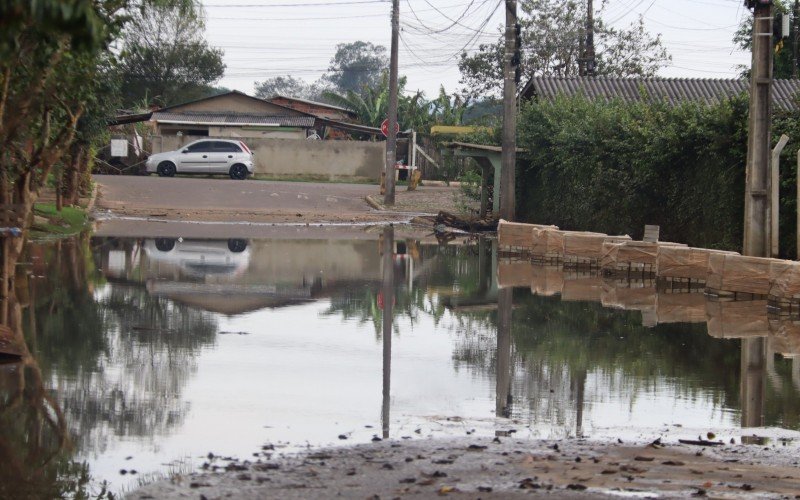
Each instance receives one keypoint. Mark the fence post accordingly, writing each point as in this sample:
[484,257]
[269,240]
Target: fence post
[798,204]
[775,199]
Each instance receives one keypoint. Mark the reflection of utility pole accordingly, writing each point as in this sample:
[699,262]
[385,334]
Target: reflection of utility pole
[753,381]
[387,291]
[508,158]
[578,386]
[503,398]
[391,138]
[756,204]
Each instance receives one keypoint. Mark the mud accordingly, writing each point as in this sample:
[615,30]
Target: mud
[502,467]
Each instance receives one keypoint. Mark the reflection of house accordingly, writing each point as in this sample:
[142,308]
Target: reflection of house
[236,276]
[671,90]
[233,114]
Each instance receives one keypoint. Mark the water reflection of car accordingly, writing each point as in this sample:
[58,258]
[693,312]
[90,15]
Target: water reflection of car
[200,257]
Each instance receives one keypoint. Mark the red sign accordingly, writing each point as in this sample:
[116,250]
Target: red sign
[385,128]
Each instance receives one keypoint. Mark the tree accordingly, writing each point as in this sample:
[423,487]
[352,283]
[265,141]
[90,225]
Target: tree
[288,86]
[552,31]
[165,56]
[356,66]
[782,58]
[51,55]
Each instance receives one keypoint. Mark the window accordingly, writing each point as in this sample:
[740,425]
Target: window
[199,147]
[226,147]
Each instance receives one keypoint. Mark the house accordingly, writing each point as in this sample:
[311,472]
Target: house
[276,134]
[232,114]
[318,109]
[672,90]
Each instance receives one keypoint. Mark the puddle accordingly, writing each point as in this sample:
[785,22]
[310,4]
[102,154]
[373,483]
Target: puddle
[148,354]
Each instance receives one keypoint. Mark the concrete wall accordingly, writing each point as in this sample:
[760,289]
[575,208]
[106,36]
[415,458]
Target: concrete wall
[257,132]
[301,157]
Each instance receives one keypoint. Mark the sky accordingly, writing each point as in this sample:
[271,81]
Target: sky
[267,38]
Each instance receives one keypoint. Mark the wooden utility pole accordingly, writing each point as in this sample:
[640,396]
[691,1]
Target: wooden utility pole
[508,158]
[757,226]
[795,36]
[590,55]
[391,138]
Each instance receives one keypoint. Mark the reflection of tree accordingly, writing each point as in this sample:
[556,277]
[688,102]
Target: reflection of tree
[444,271]
[136,387]
[119,356]
[35,450]
[557,346]
[557,343]
[782,406]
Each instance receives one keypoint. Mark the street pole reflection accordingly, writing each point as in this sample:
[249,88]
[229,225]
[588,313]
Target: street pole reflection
[387,292]
[578,387]
[753,381]
[503,397]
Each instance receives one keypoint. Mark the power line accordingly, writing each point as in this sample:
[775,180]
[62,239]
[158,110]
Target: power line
[314,4]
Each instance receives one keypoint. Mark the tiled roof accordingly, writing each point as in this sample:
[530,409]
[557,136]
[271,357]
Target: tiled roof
[242,119]
[673,90]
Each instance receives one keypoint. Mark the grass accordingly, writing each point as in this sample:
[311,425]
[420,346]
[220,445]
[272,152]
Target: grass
[69,221]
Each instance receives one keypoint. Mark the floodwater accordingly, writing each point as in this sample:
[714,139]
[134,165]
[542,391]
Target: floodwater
[145,355]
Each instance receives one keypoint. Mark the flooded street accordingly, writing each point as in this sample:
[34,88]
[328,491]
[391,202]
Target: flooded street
[148,354]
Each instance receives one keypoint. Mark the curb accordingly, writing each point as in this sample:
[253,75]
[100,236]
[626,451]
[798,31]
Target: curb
[453,184]
[374,203]
[92,197]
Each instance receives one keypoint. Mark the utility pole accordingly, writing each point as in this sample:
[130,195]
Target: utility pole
[795,36]
[391,138]
[582,53]
[757,225]
[508,159]
[590,55]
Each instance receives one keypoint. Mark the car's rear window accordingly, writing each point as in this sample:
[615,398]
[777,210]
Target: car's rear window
[226,147]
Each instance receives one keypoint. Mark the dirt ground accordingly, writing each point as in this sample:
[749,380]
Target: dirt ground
[223,200]
[494,468]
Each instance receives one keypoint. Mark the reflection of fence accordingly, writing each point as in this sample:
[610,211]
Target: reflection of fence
[657,302]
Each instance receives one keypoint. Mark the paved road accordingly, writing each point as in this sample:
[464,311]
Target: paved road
[129,194]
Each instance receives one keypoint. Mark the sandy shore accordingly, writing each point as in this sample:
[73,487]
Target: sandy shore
[503,467]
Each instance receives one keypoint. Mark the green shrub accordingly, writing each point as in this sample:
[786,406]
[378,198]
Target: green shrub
[616,166]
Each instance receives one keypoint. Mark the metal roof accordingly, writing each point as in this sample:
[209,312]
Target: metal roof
[313,103]
[129,118]
[672,90]
[233,119]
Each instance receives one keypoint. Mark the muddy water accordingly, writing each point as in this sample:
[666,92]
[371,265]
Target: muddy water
[146,355]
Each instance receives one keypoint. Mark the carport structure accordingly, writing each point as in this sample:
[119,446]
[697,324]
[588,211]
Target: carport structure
[488,157]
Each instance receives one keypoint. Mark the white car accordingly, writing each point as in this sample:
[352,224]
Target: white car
[206,156]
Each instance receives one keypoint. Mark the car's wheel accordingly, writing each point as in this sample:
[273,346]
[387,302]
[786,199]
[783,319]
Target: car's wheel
[165,244]
[237,245]
[238,172]
[166,169]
